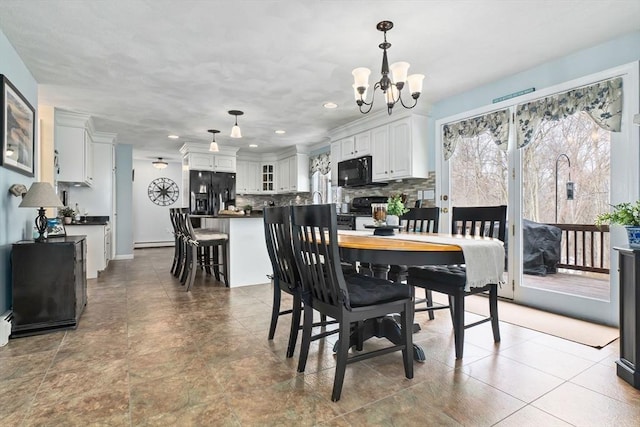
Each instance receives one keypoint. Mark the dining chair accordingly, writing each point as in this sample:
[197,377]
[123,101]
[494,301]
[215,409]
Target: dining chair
[207,249]
[487,221]
[177,246]
[349,299]
[423,220]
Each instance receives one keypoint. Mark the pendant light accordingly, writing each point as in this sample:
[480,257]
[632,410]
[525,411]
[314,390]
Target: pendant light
[235,130]
[214,145]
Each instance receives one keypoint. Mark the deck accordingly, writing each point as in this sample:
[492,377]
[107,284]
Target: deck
[584,284]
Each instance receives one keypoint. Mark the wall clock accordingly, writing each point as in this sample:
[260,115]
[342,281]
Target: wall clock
[163,191]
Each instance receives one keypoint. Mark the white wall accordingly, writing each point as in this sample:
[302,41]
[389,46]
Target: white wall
[151,224]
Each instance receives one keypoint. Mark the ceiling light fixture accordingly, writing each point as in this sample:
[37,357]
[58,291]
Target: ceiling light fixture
[235,130]
[159,164]
[253,145]
[9,151]
[214,145]
[173,136]
[280,131]
[392,88]
[330,105]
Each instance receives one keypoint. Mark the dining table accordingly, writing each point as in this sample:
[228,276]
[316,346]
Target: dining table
[405,248]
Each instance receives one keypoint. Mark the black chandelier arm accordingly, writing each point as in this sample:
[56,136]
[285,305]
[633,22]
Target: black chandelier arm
[362,102]
[415,101]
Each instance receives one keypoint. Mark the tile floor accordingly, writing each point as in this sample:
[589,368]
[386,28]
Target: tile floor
[148,353]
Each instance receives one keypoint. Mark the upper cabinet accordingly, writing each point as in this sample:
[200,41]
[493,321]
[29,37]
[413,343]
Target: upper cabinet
[399,149]
[281,173]
[211,162]
[73,142]
[293,174]
[248,177]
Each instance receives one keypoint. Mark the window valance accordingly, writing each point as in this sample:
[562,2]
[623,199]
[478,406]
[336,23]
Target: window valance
[321,162]
[496,124]
[602,101]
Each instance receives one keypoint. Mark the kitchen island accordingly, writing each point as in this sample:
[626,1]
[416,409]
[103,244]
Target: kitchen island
[249,262]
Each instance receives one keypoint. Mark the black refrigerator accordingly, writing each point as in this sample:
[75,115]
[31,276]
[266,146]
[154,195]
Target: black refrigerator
[211,192]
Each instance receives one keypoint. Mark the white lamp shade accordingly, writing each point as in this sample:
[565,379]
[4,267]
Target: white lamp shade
[41,195]
[235,132]
[357,95]
[399,71]
[214,147]
[159,164]
[415,83]
[361,76]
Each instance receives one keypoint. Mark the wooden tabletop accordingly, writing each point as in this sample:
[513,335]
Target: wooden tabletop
[368,241]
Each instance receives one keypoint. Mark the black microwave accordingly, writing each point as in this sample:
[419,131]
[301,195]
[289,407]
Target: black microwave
[355,172]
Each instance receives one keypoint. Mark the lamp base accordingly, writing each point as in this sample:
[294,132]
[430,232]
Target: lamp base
[41,225]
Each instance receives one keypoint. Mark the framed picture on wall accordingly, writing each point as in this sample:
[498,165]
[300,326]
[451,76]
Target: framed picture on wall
[17,130]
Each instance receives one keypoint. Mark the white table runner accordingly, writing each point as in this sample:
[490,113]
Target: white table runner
[483,256]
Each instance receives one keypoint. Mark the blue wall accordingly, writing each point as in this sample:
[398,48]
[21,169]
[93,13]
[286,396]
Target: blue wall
[619,51]
[124,201]
[15,223]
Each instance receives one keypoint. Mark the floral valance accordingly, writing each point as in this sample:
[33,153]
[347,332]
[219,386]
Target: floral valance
[496,124]
[602,101]
[321,162]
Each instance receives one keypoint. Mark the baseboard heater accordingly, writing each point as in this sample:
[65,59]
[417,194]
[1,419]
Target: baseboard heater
[5,327]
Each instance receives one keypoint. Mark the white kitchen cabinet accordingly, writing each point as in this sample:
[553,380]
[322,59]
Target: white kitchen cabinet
[98,245]
[248,177]
[355,146]
[73,142]
[293,174]
[336,157]
[399,149]
[212,162]
[268,178]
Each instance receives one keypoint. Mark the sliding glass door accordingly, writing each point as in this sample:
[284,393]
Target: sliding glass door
[555,178]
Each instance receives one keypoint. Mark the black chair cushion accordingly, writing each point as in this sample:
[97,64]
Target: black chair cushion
[366,290]
[453,275]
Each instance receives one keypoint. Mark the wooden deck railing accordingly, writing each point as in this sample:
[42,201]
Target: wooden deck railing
[584,247]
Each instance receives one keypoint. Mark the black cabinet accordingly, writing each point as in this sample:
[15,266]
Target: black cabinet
[629,363]
[49,284]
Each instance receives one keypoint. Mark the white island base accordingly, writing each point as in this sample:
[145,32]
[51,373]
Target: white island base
[248,257]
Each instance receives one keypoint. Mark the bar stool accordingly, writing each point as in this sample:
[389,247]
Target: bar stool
[205,248]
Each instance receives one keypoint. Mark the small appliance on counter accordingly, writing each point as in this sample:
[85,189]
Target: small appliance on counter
[360,207]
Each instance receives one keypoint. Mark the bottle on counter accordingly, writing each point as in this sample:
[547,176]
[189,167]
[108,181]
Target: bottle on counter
[77,213]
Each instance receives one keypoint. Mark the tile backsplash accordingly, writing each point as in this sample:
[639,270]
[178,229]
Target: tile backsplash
[410,187]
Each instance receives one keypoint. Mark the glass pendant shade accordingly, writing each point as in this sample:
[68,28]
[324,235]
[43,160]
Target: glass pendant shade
[361,77]
[391,96]
[415,83]
[235,132]
[214,147]
[357,95]
[399,72]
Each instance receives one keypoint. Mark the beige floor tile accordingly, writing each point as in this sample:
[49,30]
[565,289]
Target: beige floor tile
[531,417]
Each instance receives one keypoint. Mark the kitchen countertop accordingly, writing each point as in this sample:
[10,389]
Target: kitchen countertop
[91,220]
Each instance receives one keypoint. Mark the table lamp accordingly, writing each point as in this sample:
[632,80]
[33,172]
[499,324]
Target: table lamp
[41,195]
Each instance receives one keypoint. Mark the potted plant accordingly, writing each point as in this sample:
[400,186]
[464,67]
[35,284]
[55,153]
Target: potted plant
[247,209]
[395,209]
[67,213]
[627,214]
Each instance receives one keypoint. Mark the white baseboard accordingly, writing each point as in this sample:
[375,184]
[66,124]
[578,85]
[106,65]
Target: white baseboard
[138,245]
[121,257]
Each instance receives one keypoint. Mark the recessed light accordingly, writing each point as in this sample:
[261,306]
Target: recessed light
[173,136]
[281,131]
[253,145]
[330,105]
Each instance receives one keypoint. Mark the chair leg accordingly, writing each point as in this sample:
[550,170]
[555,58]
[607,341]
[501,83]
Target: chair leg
[193,270]
[406,320]
[216,262]
[307,324]
[493,312]
[206,261]
[429,301]
[225,263]
[275,310]
[295,324]
[458,322]
[341,363]
[186,262]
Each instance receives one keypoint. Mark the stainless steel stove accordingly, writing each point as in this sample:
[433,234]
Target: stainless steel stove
[359,207]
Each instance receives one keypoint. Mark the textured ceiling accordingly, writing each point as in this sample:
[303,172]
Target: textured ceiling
[146,69]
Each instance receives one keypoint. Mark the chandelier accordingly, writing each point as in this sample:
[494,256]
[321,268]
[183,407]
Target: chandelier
[391,87]
[159,164]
